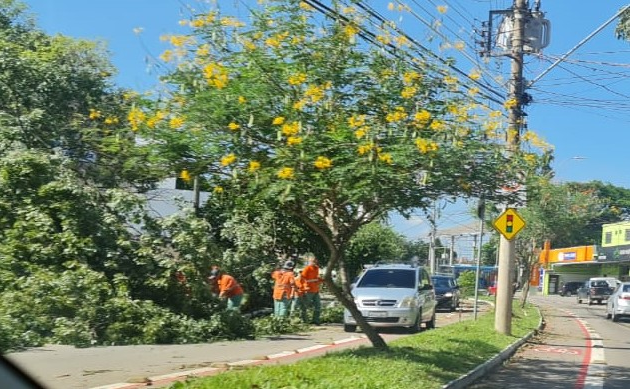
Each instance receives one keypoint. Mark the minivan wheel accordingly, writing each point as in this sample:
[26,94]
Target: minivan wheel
[431,323]
[568,294]
[349,327]
[417,325]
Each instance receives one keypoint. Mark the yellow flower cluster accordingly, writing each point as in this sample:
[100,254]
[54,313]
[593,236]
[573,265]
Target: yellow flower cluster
[425,145]
[361,132]
[450,80]
[350,30]
[155,119]
[216,75]
[218,189]
[364,149]
[402,41]
[386,157]
[278,121]
[294,140]
[386,40]
[176,122]
[299,105]
[253,166]
[410,77]
[314,92]
[437,125]
[305,6]
[421,118]
[276,40]
[474,91]
[399,114]
[290,129]
[94,114]
[233,126]
[231,22]
[323,163]
[135,117]
[297,79]
[408,92]
[286,173]
[228,159]
[356,121]
[111,120]
[167,55]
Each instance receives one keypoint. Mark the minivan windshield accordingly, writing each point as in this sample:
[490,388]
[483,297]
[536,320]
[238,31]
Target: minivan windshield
[388,278]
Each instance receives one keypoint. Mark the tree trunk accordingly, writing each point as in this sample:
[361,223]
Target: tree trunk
[348,302]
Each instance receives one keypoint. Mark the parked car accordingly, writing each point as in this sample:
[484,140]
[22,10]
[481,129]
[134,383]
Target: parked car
[595,289]
[618,304]
[492,289]
[393,295]
[447,291]
[570,288]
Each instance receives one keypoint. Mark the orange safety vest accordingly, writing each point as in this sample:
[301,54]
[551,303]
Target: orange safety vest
[228,286]
[300,286]
[310,274]
[284,285]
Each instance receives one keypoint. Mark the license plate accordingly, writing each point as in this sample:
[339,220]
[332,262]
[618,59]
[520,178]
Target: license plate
[377,314]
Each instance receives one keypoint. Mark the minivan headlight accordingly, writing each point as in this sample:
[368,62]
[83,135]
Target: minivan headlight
[407,302]
[448,294]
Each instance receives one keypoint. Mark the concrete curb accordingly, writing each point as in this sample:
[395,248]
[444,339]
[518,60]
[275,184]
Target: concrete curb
[467,379]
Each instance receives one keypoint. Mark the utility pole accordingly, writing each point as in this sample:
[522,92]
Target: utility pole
[503,312]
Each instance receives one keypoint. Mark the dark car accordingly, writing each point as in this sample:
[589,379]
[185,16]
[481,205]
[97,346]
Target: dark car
[596,289]
[570,288]
[446,292]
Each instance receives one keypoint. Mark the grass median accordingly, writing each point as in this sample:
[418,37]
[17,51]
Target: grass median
[426,360]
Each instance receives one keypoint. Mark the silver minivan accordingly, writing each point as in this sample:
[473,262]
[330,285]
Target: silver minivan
[393,295]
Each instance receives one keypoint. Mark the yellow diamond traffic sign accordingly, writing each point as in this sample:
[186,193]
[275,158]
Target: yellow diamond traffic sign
[509,223]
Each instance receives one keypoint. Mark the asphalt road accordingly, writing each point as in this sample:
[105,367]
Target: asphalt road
[126,367]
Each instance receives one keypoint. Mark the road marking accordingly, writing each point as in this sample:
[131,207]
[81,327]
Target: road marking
[594,362]
[557,350]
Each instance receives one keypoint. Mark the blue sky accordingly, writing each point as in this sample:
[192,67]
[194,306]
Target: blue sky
[581,106]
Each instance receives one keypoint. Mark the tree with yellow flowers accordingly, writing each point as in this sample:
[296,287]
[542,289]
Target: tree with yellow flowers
[296,111]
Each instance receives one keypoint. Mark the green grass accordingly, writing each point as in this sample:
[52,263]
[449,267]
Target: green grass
[426,360]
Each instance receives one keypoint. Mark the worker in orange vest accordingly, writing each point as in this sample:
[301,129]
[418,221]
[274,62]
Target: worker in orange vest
[283,289]
[227,286]
[298,303]
[312,281]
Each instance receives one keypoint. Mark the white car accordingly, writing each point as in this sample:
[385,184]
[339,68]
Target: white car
[618,304]
[394,295]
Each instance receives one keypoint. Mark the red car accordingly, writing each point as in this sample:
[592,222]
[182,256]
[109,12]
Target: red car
[492,289]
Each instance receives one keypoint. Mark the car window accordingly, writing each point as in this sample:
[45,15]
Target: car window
[442,283]
[388,278]
[626,288]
